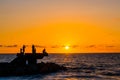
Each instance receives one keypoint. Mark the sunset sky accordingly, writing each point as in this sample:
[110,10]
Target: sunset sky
[73,26]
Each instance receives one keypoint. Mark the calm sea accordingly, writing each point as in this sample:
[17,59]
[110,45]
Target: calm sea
[80,67]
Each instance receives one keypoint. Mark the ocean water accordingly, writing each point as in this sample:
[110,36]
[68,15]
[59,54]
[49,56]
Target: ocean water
[80,67]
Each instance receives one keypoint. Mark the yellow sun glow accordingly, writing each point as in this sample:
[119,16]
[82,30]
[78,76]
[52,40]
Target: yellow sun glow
[67,47]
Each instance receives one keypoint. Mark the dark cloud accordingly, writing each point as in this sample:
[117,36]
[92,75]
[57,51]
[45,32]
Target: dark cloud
[110,46]
[40,46]
[75,46]
[91,46]
[1,45]
[55,46]
[10,46]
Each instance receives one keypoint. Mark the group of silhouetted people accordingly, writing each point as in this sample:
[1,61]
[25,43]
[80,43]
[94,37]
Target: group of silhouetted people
[22,50]
[28,58]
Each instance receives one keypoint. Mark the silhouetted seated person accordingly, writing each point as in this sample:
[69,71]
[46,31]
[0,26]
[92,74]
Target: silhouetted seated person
[22,51]
[20,59]
[44,52]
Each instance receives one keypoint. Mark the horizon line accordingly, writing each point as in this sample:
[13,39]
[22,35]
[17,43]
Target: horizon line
[75,53]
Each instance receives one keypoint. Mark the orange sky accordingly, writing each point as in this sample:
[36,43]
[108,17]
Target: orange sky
[84,25]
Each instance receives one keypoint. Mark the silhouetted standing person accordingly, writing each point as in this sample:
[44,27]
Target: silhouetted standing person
[32,59]
[33,49]
[24,49]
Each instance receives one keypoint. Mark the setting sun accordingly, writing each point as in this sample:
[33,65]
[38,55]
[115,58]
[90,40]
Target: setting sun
[67,47]
[60,25]
[70,39]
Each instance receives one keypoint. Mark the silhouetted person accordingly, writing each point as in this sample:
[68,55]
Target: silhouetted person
[32,59]
[33,49]
[21,51]
[20,60]
[24,49]
[44,52]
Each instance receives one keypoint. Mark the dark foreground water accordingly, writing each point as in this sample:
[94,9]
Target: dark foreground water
[80,67]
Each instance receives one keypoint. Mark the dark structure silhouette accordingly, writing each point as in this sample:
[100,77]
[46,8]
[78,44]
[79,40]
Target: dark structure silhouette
[26,64]
[28,58]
